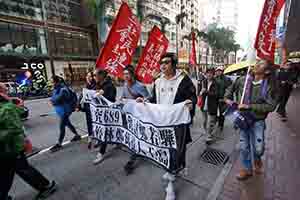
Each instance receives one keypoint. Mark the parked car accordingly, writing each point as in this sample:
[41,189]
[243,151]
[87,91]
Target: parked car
[12,88]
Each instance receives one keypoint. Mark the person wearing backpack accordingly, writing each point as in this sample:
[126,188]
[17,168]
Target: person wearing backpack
[64,101]
[12,152]
[259,99]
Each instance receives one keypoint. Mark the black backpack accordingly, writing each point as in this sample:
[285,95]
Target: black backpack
[72,99]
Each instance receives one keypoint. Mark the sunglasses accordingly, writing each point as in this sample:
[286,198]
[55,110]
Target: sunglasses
[165,62]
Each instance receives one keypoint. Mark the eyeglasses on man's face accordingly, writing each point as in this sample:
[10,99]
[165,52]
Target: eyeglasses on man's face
[165,62]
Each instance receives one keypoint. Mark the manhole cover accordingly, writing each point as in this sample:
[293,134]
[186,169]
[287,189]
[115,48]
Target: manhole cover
[214,156]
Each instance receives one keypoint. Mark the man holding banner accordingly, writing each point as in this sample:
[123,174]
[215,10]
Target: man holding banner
[173,87]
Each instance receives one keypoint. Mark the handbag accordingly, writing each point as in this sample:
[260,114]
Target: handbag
[200,101]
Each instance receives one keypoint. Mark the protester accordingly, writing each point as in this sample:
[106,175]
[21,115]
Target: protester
[90,85]
[259,100]
[173,87]
[210,98]
[12,155]
[223,83]
[62,101]
[105,88]
[132,90]
[287,77]
[200,78]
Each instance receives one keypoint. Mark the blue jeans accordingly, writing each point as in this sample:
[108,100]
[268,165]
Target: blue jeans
[254,137]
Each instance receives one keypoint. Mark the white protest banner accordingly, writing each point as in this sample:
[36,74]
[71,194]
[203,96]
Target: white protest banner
[156,132]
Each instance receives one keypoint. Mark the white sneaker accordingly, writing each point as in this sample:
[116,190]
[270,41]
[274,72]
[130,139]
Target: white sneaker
[168,177]
[99,158]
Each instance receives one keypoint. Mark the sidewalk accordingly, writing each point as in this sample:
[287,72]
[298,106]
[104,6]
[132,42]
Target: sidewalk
[281,178]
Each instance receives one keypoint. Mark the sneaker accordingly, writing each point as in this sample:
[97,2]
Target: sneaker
[168,177]
[99,158]
[76,138]
[209,140]
[258,167]
[244,175]
[47,192]
[56,147]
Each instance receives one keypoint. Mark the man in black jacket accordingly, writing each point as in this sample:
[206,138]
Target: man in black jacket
[105,87]
[172,87]
[287,76]
[209,108]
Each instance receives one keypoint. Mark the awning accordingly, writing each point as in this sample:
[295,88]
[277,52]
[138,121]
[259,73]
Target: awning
[238,66]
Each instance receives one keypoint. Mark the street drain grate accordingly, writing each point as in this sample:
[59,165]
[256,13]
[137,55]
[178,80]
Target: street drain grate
[214,156]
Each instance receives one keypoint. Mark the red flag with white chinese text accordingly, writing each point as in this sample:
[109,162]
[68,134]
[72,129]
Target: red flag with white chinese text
[121,42]
[266,33]
[193,59]
[155,48]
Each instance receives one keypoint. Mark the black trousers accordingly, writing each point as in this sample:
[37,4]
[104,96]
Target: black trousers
[285,93]
[221,117]
[65,122]
[20,166]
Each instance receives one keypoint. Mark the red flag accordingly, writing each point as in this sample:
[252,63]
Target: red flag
[148,65]
[265,37]
[193,59]
[121,42]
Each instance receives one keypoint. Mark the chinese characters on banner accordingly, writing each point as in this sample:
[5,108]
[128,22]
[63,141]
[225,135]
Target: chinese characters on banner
[266,33]
[148,65]
[193,59]
[121,42]
[156,132]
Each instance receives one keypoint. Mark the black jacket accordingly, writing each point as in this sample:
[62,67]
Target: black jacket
[186,90]
[211,96]
[110,91]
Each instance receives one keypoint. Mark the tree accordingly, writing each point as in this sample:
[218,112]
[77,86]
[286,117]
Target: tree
[222,42]
[98,9]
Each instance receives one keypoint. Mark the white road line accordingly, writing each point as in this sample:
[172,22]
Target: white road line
[48,148]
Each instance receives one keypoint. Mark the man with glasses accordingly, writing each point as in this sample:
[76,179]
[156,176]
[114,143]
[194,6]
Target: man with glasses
[174,86]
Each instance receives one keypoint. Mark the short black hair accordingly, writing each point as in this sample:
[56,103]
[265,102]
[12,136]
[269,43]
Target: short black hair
[173,57]
[130,69]
[210,70]
[57,79]
[100,72]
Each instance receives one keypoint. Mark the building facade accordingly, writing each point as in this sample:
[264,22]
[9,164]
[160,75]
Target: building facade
[45,37]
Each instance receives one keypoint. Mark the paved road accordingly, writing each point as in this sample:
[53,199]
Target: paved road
[78,178]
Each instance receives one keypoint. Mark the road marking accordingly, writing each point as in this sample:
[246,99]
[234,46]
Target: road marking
[48,148]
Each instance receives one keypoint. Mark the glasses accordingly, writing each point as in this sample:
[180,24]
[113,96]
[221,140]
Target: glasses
[165,62]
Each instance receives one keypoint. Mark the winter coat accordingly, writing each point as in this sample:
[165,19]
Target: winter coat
[211,97]
[59,100]
[11,129]
[259,106]
[110,91]
[223,83]
[186,90]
